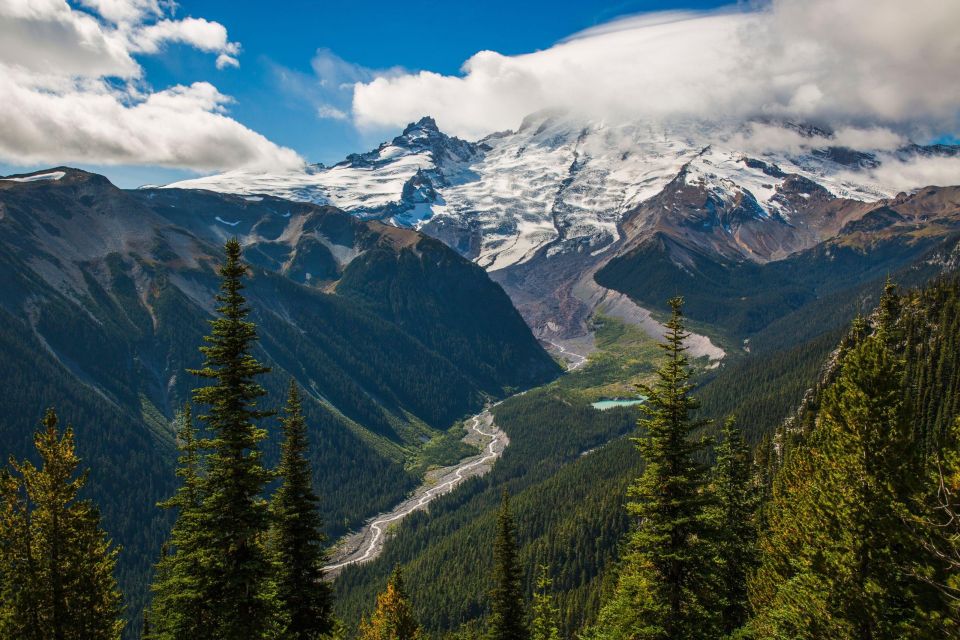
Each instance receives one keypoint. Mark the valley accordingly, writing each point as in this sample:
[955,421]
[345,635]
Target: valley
[342,298]
[479,321]
[367,544]
[107,297]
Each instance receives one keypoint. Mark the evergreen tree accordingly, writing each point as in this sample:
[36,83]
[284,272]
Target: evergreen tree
[58,573]
[935,524]
[179,610]
[393,618]
[834,552]
[666,589]
[507,619]
[234,515]
[297,540]
[19,600]
[545,619]
[733,518]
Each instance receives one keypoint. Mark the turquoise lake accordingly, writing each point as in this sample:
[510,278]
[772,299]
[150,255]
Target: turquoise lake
[609,404]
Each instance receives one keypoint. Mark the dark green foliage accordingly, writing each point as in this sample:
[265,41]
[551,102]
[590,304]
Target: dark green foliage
[297,541]
[507,615]
[450,305]
[234,518]
[935,520]
[129,468]
[376,382]
[581,499]
[103,304]
[785,358]
[733,520]
[930,330]
[544,612]
[178,609]
[846,551]
[712,288]
[666,588]
[568,507]
[56,564]
[777,381]
[744,297]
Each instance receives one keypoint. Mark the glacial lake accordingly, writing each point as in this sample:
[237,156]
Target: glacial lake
[609,404]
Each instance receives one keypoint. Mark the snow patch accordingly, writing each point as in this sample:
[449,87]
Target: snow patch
[53,175]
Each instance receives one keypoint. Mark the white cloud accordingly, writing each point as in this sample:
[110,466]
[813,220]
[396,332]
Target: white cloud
[326,111]
[224,61]
[128,11]
[195,32]
[180,127]
[759,138]
[868,64]
[48,37]
[879,138]
[72,90]
[905,175]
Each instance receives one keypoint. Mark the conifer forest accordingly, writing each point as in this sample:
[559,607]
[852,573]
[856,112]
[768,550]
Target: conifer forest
[480,320]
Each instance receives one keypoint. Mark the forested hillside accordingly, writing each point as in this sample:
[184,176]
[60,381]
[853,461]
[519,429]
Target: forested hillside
[475,321]
[858,536]
[567,468]
[843,524]
[106,299]
[445,553]
[783,360]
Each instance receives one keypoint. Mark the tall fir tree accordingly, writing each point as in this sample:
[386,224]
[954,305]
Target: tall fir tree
[733,518]
[393,618]
[297,542]
[179,610]
[667,585]
[545,614]
[507,616]
[57,574]
[235,518]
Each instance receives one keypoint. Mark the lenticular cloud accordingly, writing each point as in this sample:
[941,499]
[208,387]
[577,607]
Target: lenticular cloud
[861,63]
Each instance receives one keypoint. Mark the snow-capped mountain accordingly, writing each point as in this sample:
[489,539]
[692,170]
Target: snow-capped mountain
[397,181]
[544,206]
[560,184]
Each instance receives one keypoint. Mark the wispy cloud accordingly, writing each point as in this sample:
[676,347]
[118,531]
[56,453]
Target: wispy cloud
[858,63]
[329,88]
[73,91]
[329,112]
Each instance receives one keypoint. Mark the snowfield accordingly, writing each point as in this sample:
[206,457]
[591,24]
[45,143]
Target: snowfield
[558,183]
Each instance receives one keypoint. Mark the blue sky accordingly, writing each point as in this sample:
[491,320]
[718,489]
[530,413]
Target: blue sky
[282,39]
[416,35]
[148,94]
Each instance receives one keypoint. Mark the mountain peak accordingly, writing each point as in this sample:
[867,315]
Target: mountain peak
[426,123]
[55,175]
